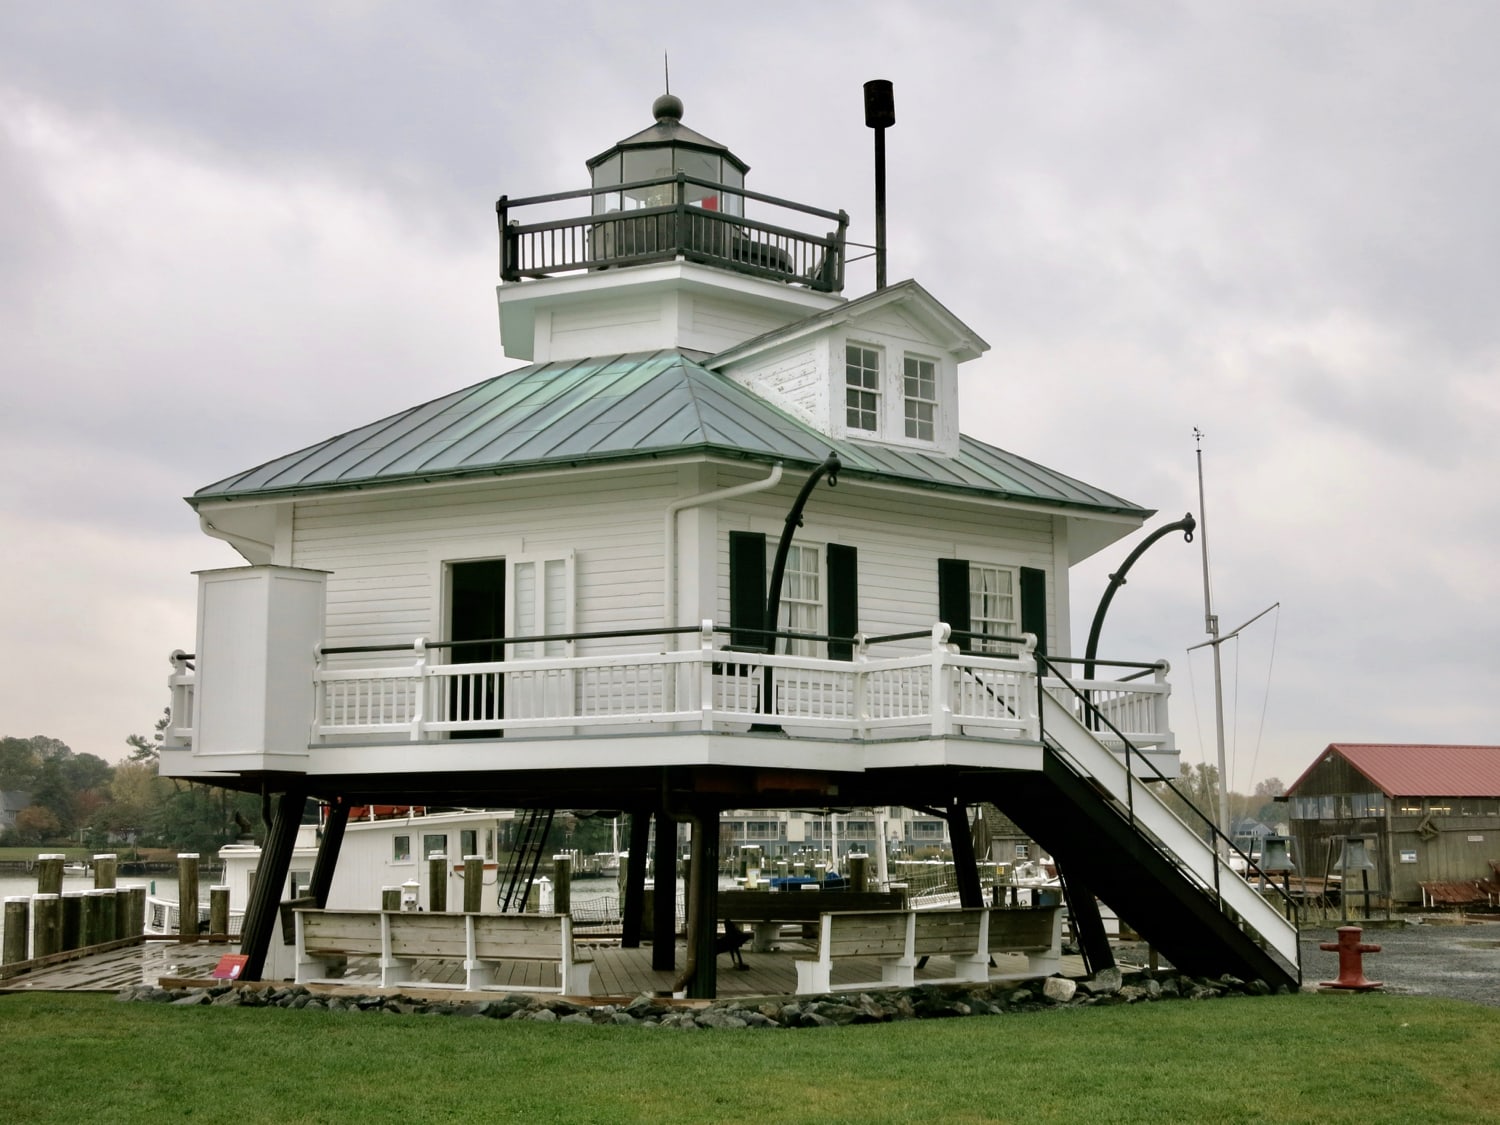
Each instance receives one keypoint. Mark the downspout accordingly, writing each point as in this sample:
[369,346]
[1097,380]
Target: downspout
[669,618]
[240,543]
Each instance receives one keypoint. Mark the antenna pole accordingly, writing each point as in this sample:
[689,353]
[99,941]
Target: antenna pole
[880,114]
[1211,624]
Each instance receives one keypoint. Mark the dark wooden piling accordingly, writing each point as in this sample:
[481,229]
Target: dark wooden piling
[859,872]
[218,911]
[473,884]
[46,937]
[562,884]
[187,896]
[17,930]
[104,909]
[133,908]
[49,874]
[106,868]
[437,883]
[71,920]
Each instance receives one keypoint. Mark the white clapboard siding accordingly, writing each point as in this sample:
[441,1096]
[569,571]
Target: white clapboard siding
[384,553]
[899,542]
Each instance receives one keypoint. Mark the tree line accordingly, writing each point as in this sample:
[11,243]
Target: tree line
[81,800]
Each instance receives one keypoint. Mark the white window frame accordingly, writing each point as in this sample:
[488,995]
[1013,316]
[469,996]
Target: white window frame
[920,411]
[988,585]
[802,596]
[862,389]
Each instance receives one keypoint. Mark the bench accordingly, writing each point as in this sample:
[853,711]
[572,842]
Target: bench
[899,939]
[766,912]
[326,938]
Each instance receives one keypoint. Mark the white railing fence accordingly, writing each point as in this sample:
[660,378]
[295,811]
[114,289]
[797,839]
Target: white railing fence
[420,694]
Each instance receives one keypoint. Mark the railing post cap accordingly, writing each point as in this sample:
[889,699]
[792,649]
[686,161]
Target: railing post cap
[941,632]
[187,855]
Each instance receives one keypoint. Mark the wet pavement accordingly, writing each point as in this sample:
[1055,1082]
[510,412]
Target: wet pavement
[1420,955]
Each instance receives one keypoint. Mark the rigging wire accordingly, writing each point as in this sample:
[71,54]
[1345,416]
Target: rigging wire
[1265,701]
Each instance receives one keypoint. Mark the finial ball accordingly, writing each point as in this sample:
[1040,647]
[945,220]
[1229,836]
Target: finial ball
[668,105]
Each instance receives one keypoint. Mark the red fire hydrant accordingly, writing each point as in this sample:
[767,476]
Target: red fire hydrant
[1351,965]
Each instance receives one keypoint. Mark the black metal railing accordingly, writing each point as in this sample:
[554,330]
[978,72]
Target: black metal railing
[1213,836]
[679,228]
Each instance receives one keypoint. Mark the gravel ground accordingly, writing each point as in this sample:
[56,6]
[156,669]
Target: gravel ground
[1420,955]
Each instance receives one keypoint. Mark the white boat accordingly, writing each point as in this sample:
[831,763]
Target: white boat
[383,847]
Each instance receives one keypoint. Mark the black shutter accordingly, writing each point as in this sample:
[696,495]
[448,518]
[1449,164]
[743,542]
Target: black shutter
[747,589]
[1034,605]
[843,599]
[953,597]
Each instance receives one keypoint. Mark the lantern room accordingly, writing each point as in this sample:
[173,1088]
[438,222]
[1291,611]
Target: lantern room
[640,170]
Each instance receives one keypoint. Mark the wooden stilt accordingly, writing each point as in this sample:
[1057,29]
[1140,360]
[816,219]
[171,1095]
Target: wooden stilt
[965,867]
[437,883]
[187,896]
[635,880]
[1088,924]
[70,920]
[261,913]
[703,913]
[562,884]
[106,866]
[46,925]
[218,910]
[49,873]
[664,908]
[17,929]
[328,851]
[473,884]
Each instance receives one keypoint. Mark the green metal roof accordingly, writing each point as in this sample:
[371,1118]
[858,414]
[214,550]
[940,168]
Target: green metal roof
[627,408]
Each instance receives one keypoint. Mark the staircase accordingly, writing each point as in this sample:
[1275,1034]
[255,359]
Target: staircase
[1109,831]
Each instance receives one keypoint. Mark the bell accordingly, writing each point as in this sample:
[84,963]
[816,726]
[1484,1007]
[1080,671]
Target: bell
[1275,858]
[1356,855]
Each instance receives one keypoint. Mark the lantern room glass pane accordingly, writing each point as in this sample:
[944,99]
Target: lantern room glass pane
[607,174]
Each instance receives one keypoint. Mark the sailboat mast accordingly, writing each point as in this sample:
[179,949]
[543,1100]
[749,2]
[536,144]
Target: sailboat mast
[1211,624]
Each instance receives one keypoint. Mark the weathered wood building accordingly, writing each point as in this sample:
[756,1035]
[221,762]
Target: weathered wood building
[620,577]
[1431,813]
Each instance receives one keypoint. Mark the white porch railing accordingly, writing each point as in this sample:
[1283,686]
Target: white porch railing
[940,691]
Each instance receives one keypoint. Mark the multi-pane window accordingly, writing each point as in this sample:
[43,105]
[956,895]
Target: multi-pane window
[920,389]
[802,597]
[992,606]
[401,848]
[862,388]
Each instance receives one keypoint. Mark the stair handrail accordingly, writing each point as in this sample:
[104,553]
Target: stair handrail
[1045,665]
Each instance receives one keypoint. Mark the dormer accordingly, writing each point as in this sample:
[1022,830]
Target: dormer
[882,369]
[666,248]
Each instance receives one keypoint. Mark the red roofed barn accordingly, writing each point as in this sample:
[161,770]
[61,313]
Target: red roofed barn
[1434,812]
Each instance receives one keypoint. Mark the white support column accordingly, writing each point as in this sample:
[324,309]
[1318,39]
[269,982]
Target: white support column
[942,703]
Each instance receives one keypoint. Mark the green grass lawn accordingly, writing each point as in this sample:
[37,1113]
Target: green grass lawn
[1313,1058]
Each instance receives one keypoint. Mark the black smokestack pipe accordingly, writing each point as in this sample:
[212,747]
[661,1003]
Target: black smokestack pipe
[880,115]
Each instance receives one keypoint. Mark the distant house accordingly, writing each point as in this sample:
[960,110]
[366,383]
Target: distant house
[11,802]
[1433,812]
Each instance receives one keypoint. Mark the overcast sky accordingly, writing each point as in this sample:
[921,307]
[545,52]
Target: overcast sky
[227,231]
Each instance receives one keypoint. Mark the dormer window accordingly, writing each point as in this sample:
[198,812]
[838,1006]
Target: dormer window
[920,378]
[862,388]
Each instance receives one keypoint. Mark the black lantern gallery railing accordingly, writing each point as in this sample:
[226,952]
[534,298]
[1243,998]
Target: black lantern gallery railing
[677,228]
